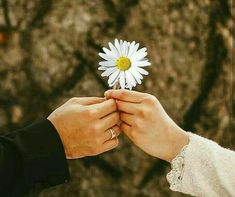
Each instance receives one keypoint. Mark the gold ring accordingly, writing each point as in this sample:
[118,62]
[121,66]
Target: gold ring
[112,132]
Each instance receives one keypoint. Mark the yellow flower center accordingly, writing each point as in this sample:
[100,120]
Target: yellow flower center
[123,63]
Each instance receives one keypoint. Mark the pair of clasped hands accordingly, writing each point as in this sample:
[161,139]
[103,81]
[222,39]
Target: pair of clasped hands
[89,126]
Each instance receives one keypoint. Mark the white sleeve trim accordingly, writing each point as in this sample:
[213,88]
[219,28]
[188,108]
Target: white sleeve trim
[175,176]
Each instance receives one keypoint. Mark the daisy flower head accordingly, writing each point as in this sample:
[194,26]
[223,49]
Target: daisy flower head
[123,63]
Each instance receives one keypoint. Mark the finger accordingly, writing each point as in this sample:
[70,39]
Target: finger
[126,129]
[107,134]
[125,95]
[109,121]
[104,108]
[88,100]
[127,107]
[110,144]
[127,118]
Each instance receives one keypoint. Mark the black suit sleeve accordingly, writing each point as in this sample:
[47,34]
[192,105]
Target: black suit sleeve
[32,159]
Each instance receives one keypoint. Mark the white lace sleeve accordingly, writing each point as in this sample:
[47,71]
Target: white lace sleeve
[203,168]
[175,176]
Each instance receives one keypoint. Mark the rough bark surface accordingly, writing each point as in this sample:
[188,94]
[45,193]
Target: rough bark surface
[48,53]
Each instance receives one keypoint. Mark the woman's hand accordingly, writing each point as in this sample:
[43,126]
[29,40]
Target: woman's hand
[83,125]
[147,124]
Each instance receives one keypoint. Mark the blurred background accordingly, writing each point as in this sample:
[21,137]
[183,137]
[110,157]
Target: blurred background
[49,53]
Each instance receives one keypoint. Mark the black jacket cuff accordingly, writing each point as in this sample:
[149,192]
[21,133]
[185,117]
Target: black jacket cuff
[43,158]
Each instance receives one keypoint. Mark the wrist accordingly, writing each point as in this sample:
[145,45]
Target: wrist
[51,119]
[179,138]
[59,131]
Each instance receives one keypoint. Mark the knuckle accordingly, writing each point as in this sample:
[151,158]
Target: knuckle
[144,112]
[86,112]
[73,99]
[141,111]
[92,113]
[138,124]
[149,99]
[95,128]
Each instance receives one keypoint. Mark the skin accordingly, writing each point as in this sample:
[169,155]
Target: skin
[146,123]
[83,125]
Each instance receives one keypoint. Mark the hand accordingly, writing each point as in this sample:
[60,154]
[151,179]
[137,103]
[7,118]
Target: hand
[147,124]
[83,125]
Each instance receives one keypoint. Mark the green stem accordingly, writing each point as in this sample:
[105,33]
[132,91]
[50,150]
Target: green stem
[116,86]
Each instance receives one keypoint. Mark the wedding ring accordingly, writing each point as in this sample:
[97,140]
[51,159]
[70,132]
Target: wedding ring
[112,132]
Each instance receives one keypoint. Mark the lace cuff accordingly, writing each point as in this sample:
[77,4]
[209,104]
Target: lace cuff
[175,176]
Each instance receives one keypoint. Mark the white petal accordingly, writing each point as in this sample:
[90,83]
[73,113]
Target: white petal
[131,49]
[138,56]
[121,47]
[136,75]
[109,53]
[144,49]
[125,48]
[122,80]
[135,48]
[108,72]
[108,63]
[102,68]
[137,53]
[130,78]
[117,45]
[114,82]
[135,72]
[113,77]
[142,71]
[144,59]
[129,86]
[141,63]
[106,57]
[114,49]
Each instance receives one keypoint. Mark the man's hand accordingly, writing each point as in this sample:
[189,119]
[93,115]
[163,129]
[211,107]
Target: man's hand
[83,125]
[147,124]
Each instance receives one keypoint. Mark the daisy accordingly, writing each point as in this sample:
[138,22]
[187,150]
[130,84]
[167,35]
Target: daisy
[123,63]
